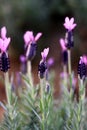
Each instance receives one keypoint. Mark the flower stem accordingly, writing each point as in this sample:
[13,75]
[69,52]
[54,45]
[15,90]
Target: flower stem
[30,77]
[42,102]
[65,74]
[69,62]
[7,88]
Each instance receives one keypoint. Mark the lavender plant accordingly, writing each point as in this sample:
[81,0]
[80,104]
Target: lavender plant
[34,107]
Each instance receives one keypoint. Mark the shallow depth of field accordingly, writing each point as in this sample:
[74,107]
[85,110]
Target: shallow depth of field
[43,63]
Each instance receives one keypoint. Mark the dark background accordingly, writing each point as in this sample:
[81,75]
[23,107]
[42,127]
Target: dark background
[46,16]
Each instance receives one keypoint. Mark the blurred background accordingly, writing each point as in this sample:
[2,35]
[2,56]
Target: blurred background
[46,16]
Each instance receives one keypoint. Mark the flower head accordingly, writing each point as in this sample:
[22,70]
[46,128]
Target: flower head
[42,67]
[44,53]
[82,68]
[29,37]
[69,23]
[30,44]
[4,43]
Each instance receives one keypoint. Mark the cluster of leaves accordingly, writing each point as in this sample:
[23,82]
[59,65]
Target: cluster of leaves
[29,111]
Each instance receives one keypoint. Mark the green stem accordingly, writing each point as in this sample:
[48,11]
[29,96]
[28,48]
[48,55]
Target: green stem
[69,61]
[69,68]
[42,101]
[65,74]
[30,77]
[7,88]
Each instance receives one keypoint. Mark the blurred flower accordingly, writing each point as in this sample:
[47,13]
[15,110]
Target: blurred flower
[23,67]
[50,62]
[43,64]
[30,44]
[44,53]
[82,68]
[4,43]
[69,23]
[62,43]
[29,37]
[64,51]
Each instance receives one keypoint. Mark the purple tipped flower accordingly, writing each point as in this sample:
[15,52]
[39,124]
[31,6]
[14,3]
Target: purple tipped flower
[44,53]
[82,68]
[64,51]
[4,43]
[30,44]
[69,26]
[43,65]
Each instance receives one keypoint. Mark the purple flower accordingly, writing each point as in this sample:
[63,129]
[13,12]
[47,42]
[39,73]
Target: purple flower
[4,43]
[62,43]
[69,23]
[30,44]
[42,67]
[82,68]
[44,53]
[64,51]
[50,62]
[29,37]
[23,66]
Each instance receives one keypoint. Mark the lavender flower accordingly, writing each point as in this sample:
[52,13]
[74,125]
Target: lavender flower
[69,26]
[82,68]
[50,62]
[30,44]
[4,58]
[23,66]
[64,51]
[43,65]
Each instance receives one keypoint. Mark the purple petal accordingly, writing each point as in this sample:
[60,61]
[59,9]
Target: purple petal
[31,36]
[67,20]
[38,36]
[3,32]
[73,26]
[71,21]
[62,43]
[1,43]
[65,25]
[5,44]
[45,53]
[26,38]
